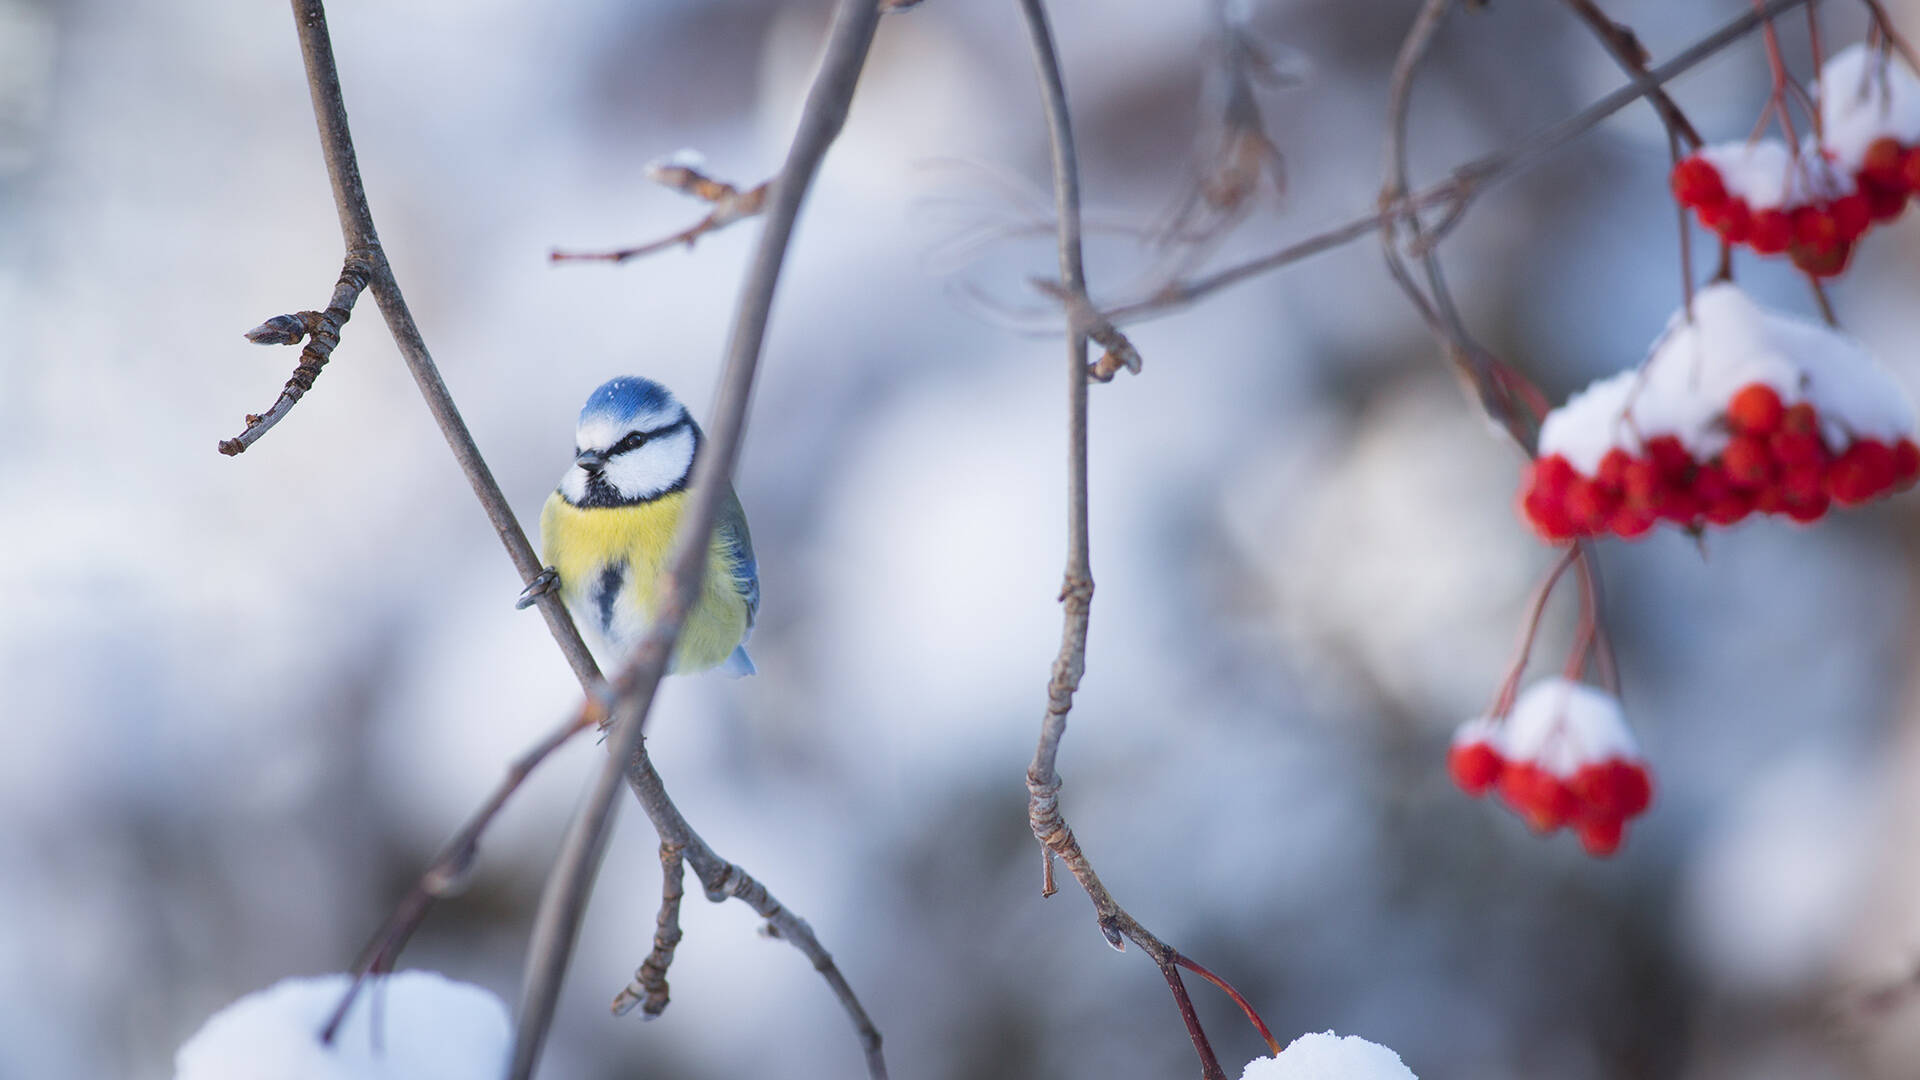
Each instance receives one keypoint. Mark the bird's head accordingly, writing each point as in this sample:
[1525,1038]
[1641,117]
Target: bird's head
[635,442]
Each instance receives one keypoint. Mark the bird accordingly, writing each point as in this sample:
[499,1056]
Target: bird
[605,531]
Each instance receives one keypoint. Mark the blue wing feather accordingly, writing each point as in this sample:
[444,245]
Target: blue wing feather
[732,528]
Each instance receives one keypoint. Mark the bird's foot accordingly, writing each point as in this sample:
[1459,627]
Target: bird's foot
[548,580]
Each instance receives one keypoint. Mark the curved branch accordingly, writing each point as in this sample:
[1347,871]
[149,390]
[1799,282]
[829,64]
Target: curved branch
[1076,591]
[1465,183]
[822,118]
[563,902]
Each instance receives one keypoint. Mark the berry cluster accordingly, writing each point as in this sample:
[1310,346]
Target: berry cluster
[1765,197]
[1774,463]
[1736,412]
[1815,201]
[1563,757]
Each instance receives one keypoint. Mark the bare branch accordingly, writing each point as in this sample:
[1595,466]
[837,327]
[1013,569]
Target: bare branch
[1491,380]
[721,879]
[449,871]
[1076,591]
[650,981]
[853,32]
[730,204]
[322,331]
[1620,41]
[562,904]
[1465,183]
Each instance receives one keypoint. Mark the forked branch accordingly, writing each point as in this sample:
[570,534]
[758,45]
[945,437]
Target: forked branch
[825,111]
[1076,590]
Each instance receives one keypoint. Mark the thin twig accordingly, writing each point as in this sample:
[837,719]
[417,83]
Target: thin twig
[1076,590]
[1620,41]
[1227,988]
[649,986]
[730,204]
[1465,183]
[321,329]
[563,902]
[449,871]
[1491,380]
[356,223]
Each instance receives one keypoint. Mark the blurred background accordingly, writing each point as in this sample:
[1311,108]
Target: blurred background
[244,700]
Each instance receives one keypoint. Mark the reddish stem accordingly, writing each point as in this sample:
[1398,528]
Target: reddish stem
[1209,1062]
[1503,703]
[1246,1006]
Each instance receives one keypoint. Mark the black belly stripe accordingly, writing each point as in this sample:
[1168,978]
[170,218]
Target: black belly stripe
[607,591]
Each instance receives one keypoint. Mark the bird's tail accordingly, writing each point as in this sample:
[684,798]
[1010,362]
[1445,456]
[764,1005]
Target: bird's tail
[739,663]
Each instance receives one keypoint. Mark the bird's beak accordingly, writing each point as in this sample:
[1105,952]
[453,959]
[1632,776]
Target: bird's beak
[591,460]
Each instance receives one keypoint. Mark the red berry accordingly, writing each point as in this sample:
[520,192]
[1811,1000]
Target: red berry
[1822,262]
[1590,505]
[1669,457]
[1474,766]
[1797,442]
[1730,508]
[1880,166]
[1861,473]
[1771,232]
[1885,203]
[1697,183]
[1801,418]
[1748,461]
[1613,470]
[1631,522]
[1910,169]
[1733,220]
[1906,464]
[1551,473]
[1601,836]
[1536,795]
[1815,229]
[1641,486]
[1808,510]
[1681,506]
[1756,408]
[1851,216]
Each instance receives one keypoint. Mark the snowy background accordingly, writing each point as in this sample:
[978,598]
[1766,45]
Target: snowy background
[243,700]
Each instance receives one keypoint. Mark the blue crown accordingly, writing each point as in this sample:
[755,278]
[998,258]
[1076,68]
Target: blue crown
[626,397]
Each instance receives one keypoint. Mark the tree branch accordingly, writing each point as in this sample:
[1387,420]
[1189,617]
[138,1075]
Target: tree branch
[356,223]
[1624,46]
[649,984]
[1076,591]
[322,331]
[1465,183]
[729,203]
[557,923]
[448,872]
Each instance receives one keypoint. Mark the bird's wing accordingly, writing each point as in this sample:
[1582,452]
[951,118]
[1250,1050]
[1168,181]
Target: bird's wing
[731,531]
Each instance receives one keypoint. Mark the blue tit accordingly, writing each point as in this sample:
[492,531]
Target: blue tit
[605,532]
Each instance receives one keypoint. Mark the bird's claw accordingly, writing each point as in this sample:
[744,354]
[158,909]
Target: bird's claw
[537,588]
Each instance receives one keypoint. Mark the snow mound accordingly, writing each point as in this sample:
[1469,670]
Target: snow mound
[429,1028]
[1326,1056]
[1695,368]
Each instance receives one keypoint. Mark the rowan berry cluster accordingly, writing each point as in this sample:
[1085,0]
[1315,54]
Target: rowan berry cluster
[1814,201]
[1561,757]
[1740,411]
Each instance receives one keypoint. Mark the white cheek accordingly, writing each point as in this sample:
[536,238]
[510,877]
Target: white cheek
[574,484]
[653,468]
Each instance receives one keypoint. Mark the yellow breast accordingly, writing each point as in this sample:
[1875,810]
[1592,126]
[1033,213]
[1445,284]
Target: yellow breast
[609,559]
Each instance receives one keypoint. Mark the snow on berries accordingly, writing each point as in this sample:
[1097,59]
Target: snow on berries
[1736,412]
[1562,757]
[1813,202]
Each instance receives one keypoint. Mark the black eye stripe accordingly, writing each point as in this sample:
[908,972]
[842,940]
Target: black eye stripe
[636,439]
